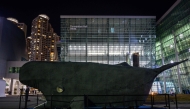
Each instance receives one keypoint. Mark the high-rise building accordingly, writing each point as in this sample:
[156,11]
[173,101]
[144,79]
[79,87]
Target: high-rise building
[22,26]
[43,40]
[28,45]
[172,45]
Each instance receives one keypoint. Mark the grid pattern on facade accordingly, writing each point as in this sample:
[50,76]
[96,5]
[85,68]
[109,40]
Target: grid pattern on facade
[108,40]
[173,44]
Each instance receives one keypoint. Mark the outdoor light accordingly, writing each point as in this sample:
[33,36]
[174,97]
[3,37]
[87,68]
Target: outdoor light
[152,93]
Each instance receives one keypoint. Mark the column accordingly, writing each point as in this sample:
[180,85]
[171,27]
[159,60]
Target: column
[107,40]
[11,87]
[164,74]
[177,60]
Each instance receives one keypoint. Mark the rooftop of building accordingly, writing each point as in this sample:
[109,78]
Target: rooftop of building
[169,10]
[106,16]
[44,16]
[12,19]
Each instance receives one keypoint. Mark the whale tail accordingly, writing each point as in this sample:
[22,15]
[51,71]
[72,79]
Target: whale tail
[167,66]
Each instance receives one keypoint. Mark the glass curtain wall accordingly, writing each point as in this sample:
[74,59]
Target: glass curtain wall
[173,44]
[108,40]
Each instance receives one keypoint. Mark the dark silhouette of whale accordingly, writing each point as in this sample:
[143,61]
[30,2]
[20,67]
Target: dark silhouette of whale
[84,78]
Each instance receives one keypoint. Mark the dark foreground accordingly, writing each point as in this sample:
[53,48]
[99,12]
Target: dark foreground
[12,102]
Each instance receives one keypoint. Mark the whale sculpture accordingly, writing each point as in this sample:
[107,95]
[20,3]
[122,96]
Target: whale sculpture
[84,78]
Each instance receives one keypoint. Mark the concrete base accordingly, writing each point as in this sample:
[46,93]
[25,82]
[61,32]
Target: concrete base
[2,88]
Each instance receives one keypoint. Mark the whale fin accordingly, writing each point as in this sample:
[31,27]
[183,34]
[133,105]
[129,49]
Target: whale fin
[167,66]
[123,64]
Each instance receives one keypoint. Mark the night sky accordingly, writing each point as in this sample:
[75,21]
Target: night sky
[26,11]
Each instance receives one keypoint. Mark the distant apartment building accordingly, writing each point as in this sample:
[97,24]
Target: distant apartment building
[22,26]
[41,45]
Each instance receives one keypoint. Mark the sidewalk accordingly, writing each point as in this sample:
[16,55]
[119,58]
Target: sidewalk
[12,102]
[180,105]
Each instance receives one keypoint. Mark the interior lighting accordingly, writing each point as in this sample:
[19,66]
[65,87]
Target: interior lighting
[181,35]
[171,61]
[112,53]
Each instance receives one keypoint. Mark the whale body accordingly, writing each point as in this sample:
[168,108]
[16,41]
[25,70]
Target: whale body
[83,78]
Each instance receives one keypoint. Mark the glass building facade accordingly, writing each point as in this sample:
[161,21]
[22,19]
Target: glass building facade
[108,39]
[173,44]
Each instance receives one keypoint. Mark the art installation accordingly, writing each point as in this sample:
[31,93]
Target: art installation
[84,78]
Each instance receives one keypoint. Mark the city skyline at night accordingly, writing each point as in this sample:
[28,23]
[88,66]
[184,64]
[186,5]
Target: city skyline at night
[26,13]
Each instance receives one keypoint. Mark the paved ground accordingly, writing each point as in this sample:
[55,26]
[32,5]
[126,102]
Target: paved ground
[12,102]
[172,105]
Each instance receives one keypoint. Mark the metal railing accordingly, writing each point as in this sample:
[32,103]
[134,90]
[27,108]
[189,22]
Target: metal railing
[150,102]
[22,98]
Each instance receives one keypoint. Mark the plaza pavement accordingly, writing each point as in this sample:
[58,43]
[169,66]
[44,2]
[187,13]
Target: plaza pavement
[12,102]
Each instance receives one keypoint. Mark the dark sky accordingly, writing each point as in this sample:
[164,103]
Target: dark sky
[26,11]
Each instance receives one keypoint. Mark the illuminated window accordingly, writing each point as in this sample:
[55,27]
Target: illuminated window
[112,30]
[14,69]
[181,35]
[171,61]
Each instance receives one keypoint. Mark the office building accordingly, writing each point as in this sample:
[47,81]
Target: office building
[42,41]
[172,45]
[108,39]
